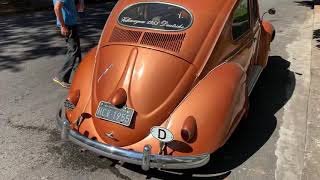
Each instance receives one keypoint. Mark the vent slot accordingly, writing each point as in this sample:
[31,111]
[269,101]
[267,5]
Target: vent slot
[172,42]
[122,35]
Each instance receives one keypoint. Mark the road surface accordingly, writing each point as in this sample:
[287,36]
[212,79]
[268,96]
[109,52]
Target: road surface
[270,144]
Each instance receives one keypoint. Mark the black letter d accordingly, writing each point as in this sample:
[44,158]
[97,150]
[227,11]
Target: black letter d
[162,134]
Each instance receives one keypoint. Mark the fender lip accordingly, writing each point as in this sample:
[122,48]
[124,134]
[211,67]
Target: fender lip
[145,159]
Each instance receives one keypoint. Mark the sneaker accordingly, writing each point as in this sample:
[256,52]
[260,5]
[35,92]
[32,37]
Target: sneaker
[61,83]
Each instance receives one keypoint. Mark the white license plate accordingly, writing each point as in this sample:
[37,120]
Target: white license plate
[108,112]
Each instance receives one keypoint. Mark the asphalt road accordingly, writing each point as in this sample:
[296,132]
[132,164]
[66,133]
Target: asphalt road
[270,144]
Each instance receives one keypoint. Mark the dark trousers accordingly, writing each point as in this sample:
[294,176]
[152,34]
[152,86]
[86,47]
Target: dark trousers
[73,56]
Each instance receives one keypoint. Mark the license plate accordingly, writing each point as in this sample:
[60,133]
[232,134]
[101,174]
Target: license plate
[108,112]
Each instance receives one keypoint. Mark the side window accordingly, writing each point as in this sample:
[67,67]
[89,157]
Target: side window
[241,19]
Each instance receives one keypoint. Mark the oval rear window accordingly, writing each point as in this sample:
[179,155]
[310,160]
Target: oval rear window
[159,16]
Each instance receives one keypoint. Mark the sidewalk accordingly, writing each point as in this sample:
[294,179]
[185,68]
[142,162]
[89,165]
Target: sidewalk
[312,151]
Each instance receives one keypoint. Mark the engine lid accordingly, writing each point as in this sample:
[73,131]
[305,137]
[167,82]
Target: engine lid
[150,82]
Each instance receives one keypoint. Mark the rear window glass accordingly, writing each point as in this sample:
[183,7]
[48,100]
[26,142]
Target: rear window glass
[159,16]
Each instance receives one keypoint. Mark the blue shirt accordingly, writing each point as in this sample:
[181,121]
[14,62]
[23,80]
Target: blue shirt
[69,12]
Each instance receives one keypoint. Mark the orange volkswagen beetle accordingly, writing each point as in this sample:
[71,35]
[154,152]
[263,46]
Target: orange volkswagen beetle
[168,82]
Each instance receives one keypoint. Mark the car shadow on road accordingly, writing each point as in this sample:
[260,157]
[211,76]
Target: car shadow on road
[316,37]
[274,88]
[309,4]
[34,36]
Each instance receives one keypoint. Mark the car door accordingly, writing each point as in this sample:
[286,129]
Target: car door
[242,35]
[241,52]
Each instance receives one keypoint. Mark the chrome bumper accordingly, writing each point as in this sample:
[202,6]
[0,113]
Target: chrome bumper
[146,160]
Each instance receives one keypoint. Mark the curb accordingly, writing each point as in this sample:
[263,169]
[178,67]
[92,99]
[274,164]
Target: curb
[312,158]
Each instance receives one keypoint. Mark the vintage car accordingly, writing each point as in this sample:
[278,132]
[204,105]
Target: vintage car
[168,82]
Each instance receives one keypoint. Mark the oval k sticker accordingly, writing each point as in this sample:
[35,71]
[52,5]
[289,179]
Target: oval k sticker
[162,134]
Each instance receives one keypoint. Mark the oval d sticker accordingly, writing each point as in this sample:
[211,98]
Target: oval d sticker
[162,134]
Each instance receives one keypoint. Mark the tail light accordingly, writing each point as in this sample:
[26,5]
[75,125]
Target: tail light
[189,130]
[72,99]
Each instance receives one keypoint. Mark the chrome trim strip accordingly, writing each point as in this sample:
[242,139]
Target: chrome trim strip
[155,29]
[105,72]
[254,74]
[146,160]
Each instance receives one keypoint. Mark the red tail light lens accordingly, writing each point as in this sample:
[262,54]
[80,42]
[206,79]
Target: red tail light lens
[189,130]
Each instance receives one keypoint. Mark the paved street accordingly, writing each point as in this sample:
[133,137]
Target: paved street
[273,143]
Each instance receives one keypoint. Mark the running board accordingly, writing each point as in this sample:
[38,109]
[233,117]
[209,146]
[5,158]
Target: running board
[253,77]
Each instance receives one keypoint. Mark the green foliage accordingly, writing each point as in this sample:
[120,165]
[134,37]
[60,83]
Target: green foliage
[241,13]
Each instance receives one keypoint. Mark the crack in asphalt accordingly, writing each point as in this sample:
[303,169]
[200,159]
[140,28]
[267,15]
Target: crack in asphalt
[69,155]
[24,127]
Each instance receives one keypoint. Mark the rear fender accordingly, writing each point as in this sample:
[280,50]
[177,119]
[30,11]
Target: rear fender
[82,82]
[214,104]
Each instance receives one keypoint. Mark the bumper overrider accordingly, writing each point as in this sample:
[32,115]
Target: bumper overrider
[146,160]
